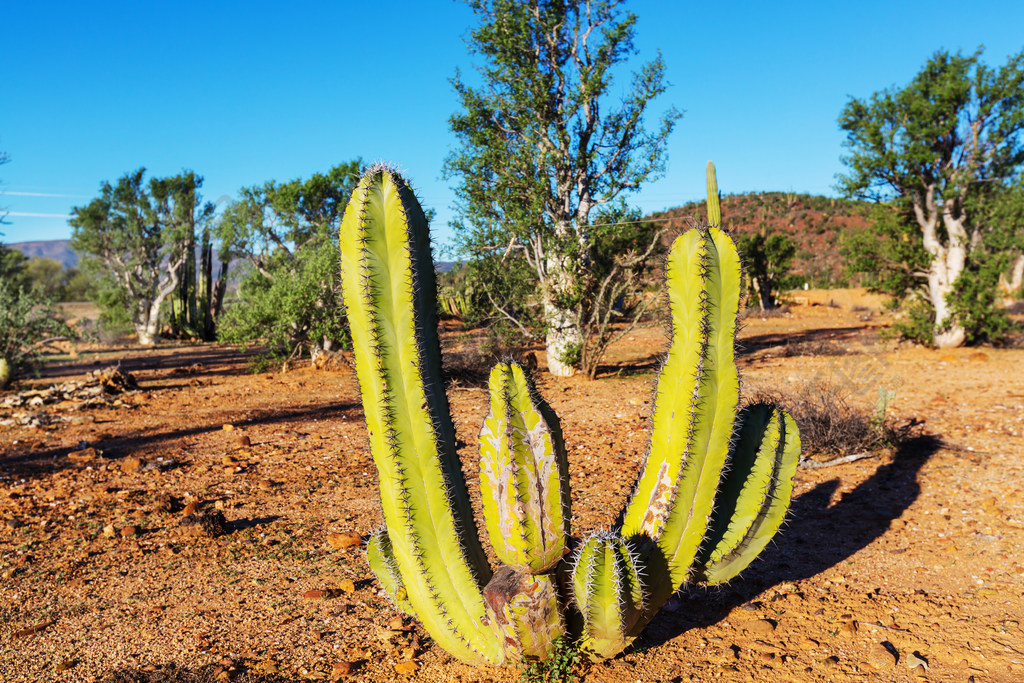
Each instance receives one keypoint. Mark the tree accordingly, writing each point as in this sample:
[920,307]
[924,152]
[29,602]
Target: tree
[767,258]
[541,145]
[287,234]
[933,150]
[142,234]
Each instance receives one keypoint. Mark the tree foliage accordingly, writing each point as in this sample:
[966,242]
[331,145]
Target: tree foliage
[287,235]
[142,235]
[541,144]
[937,152]
[767,259]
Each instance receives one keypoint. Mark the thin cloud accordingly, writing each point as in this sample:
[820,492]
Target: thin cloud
[22,214]
[44,194]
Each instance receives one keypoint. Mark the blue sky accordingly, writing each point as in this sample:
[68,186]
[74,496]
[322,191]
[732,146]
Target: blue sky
[246,92]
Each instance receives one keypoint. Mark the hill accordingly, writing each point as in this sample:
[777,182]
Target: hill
[61,251]
[58,250]
[816,225]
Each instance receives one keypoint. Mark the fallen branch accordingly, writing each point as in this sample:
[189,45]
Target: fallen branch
[809,464]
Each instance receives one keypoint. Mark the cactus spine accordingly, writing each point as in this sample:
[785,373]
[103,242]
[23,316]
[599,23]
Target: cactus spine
[713,490]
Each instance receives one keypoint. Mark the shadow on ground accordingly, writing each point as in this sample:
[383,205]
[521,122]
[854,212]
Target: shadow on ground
[818,535]
[33,463]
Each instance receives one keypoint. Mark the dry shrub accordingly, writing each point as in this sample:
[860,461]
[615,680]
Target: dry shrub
[830,425]
[753,312]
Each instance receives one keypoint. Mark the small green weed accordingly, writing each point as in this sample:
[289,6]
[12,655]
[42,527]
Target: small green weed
[561,666]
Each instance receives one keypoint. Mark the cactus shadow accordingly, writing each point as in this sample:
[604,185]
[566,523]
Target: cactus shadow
[819,534]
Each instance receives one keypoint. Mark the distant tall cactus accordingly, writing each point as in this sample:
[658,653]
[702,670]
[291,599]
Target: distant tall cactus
[713,490]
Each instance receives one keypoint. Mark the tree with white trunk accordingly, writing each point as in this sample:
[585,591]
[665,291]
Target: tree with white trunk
[542,144]
[141,235]
[935,149]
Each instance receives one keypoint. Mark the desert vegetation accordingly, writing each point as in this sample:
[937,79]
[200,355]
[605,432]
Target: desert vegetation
[765,435]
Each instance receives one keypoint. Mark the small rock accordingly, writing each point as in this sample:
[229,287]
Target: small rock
[191,508]
[340,670]
[916,659]
[347,585]
[396,624]
[64,665]
[761,627]
[210,524]
[228,460]
[14,523]
[228,428]
[344,540]
[266,485]
[129,531]
[848,628]
[83,455]
[243,441]
[131,464]
[880,657]
[109,531]
[808,643]
[409,654]
[831,662]
[316,594]
[406,668]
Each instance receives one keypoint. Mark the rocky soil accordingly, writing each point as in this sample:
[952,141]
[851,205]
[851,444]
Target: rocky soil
[204,524]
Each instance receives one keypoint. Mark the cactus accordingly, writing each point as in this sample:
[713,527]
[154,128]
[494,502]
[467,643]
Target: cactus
[714,208]
[712,492]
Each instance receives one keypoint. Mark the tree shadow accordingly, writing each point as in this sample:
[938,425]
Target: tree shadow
[179,358]
[32,463]
[819,534]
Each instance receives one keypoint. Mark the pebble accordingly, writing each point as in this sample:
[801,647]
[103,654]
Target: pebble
[915,659]
[83,455]
[228,428]
[14,523]
[848,628]
[347,585]
[243,441]
[131,464]
[109,531]
[808,643]
[191,508]
[344,540]
[340,670]
[761,627]
[129,531]
[315,594]
[406,668]
[266,485]
[880,657]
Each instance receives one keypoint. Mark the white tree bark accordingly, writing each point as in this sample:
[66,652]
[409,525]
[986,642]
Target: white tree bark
[147,319]
[948,261]
[1009,287]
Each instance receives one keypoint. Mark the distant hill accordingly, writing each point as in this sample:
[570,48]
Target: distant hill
[61,251]
[813,222]
[58,250]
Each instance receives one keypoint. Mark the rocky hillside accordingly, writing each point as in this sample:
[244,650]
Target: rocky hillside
[815,223]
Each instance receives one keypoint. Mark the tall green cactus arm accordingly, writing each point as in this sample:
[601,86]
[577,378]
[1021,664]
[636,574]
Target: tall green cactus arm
[714,208]
[754,494]
[390,295]
[524,478]
[695,405]
[608,589]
